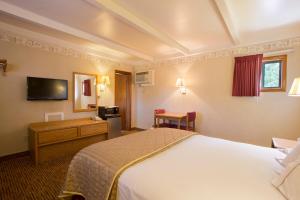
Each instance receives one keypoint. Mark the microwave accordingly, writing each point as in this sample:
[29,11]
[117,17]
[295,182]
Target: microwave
[105,112]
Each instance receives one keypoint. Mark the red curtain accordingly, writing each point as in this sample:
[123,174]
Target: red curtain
[87,87]
[247,76]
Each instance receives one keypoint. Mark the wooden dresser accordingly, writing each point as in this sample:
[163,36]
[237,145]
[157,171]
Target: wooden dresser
[49,140]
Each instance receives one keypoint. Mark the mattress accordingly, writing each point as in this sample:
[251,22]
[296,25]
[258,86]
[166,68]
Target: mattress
[93,173]
[203,168]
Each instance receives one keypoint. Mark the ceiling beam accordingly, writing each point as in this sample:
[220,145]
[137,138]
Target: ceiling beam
[32,17]
[139,23]
[225,15]
[55,41]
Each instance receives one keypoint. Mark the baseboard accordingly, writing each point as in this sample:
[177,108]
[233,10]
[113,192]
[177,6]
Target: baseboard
[15,155]
[137,129]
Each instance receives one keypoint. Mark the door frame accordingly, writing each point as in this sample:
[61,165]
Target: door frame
[129,93]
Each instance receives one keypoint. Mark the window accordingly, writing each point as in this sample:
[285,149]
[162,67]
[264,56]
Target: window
[274,74]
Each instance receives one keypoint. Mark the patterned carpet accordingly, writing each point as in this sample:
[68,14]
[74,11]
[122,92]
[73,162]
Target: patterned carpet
[20,179]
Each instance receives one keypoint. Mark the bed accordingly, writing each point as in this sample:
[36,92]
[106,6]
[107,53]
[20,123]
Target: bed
[189,166]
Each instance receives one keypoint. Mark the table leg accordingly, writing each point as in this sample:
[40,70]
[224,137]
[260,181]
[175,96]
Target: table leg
[187,123]
[178,125]
[154,122]
[157,122]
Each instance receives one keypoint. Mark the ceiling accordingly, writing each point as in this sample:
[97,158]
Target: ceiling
[144,30]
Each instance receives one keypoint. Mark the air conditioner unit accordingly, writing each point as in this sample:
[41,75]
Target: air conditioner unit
[144,78]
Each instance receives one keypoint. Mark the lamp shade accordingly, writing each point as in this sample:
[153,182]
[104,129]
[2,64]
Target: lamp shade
[295,90]
[105,80]
[179,82]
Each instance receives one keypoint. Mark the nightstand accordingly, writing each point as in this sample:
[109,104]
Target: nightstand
[283,143]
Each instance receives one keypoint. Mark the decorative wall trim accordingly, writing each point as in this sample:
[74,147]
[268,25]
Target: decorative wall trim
[6,36]
[265,47]
[32,17]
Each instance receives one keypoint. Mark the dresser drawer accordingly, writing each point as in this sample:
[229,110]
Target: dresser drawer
[57,135]
[93,129]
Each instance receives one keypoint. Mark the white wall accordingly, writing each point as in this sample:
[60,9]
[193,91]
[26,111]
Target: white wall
[209,83]
[16,113]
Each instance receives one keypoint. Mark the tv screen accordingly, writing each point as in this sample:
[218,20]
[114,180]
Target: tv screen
[46,89]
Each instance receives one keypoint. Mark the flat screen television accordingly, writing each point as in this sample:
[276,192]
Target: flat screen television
[46,89]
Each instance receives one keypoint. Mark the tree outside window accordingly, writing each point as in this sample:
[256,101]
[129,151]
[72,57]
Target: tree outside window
[274,74]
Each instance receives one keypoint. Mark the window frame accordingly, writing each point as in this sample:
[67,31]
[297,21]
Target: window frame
[283,60]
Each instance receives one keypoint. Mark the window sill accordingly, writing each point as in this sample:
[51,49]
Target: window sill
[273,90]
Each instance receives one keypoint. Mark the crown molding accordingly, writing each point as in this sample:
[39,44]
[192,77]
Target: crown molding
[66,50]
[44,21]
[55,46]
[260,48]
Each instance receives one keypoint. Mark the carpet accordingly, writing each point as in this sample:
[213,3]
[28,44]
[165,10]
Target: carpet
[20,179]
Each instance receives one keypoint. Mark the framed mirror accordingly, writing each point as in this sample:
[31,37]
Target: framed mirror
[85,92]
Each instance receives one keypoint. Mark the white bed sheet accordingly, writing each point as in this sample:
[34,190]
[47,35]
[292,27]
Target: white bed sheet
[203,168]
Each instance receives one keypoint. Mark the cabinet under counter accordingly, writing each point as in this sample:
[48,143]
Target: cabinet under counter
[51,140]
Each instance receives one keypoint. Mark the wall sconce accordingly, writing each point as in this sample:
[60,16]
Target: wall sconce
[104,82]
[3,63]
[182,90]
[179,82]
[181,86]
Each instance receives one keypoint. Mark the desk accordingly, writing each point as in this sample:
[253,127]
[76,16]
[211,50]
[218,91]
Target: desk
[170,116]
[50,140]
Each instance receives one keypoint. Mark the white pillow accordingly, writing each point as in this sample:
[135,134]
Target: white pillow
[278,168]
[293,155]
[286,151]
[288,183]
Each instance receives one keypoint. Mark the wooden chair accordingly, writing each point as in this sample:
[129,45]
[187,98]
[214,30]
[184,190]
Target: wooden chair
[191,118]
[160,111]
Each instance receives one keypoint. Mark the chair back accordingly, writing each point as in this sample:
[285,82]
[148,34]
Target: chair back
[191,116]
[159,111]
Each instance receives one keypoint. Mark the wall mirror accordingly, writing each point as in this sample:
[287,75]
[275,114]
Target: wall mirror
[85,92]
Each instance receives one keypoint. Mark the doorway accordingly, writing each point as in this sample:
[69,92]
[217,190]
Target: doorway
[123,97]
